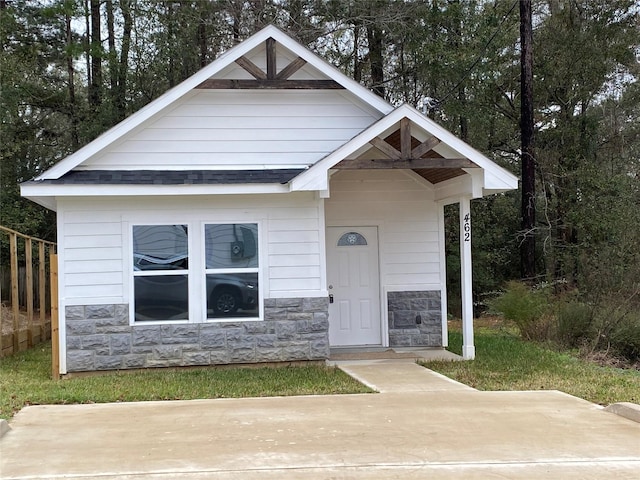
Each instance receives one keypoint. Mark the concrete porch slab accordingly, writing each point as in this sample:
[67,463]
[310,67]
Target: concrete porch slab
[379,353]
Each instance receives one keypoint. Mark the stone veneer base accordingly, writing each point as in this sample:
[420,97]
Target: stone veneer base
[99,337]
[415,319]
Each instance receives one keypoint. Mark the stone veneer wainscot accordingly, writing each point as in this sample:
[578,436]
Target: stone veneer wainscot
[415,319]
[99,337]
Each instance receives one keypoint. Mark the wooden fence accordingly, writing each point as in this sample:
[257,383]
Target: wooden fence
[25,289]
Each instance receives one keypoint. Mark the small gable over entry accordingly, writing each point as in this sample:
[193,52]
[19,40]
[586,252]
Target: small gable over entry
[266,209]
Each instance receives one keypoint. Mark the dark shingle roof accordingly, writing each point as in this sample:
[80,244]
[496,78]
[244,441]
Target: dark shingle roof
[174,177]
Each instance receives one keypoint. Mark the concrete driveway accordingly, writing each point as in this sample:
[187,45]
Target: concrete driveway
[422,425]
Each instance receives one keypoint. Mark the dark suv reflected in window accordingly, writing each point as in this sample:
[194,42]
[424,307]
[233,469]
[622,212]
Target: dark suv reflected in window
[165,297]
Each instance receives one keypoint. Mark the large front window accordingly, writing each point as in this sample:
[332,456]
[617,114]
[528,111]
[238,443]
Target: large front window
[214,276]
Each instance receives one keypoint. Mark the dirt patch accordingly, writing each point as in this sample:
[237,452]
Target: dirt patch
[492,322]
[605,359]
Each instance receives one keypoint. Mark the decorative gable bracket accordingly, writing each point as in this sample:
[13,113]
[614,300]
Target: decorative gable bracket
[409,156]
[271,78]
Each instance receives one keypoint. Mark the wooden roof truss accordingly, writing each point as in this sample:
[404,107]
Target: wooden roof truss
[403,151]
[271,78]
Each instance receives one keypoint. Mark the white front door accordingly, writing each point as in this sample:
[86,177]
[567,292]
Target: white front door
[354,286]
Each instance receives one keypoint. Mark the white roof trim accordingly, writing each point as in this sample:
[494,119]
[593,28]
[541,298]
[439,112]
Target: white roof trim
[34,190]
[316,178]
[165,100]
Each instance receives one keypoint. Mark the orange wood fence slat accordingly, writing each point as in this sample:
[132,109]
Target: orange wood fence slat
[55,338]
[42,301]
[28,250]
[15,306]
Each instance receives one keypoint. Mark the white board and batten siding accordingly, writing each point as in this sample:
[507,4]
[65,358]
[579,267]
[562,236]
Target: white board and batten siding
[227,129]
[95,251]
[407,219]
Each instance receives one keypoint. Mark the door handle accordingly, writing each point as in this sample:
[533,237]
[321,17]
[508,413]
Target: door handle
[331,298]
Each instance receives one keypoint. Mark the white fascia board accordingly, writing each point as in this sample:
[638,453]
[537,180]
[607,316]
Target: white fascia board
[180,90]
[49,203]
[500,180]
[33,189]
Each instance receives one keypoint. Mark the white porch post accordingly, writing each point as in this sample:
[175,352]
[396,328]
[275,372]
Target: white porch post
[468,347]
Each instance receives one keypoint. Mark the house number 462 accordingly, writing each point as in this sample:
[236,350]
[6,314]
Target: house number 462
[466,225]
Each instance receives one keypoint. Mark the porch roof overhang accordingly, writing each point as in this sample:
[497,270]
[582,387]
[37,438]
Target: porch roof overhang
[405,139]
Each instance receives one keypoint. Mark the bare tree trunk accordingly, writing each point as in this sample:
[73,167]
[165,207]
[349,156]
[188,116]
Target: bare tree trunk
[127,25]
[87,43]
[95,87]
[462,120]
[202,36]
[374,38]
[72,89]
[357,65]
[113,54]
[528,206]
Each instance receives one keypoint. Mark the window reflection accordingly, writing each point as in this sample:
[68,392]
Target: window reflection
[161,297]
[160,264]
[231,245]
[232,294]
[160,247]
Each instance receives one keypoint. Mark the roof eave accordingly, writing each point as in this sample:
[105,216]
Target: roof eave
[34,189]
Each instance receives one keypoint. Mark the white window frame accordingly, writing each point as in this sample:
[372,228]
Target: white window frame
[257,270]
[133,273]
[196,271]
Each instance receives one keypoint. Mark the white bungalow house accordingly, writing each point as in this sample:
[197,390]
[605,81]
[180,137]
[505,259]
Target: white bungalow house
[266,209]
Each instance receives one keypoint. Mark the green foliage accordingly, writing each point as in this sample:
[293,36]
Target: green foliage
[25,380]
[607,324]
[505,362]
[526,308]
[625,338]
[575,324]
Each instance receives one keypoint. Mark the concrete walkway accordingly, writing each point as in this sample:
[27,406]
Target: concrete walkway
[422,425]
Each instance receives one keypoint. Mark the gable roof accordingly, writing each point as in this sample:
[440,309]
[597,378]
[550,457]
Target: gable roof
[223,61]
[495,178]
[444,162]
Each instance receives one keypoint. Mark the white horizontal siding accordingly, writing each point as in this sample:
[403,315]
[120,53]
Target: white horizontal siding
[233,134]
[93,247]
[91,254]
[406,217]
[245,128]
[288,249]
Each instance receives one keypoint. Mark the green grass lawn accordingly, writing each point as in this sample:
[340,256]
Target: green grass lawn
[505,362]
[25,379]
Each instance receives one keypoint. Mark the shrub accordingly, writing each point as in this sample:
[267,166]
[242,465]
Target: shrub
[527,308]
[625,339]
[575,324]
[619,332]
